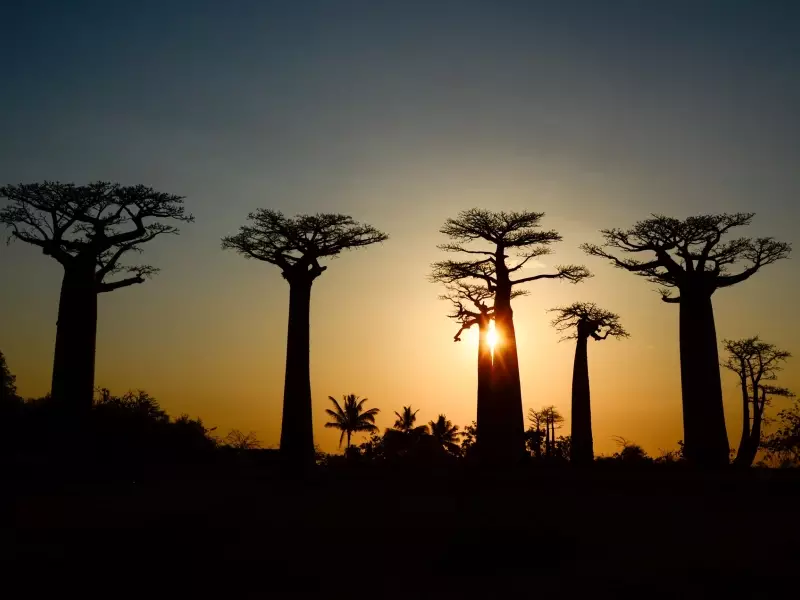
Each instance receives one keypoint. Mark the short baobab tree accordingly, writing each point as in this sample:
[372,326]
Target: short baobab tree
[580,322]
[689,256]
[296,245]
[88,229]
[756,363]
[502,234]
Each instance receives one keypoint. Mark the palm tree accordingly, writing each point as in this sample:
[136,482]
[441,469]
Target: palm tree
[405,422]
[352,418]
[446,434]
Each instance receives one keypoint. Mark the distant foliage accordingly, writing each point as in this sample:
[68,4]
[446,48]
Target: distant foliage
[238,440]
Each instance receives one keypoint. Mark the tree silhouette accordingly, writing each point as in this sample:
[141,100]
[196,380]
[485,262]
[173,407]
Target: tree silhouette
[242,441]
[535,435]
[446,434]
[296,245]
[87,229]
[784,444]
[460,294]
[689,255]
[581,321]
[8,386]
[629,451]
[350,417]
[503,233]
[551,417]
[405,422]
[755,363]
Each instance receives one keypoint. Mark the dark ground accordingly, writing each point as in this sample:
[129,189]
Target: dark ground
[646,533]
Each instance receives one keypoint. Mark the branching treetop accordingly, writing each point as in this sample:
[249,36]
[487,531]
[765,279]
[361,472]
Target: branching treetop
[296,244]
[587,319]
[689,252]
[519,232]
[755,360]
[460,293]
[100,221]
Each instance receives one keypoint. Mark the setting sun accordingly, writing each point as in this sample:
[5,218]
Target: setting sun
[491,337]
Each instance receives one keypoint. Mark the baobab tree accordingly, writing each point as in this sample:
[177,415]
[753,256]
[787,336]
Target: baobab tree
[580,322]
[296,245]
[755,363]
[87,229]
[505,235]
[550,417]
[471,307]
[689,256]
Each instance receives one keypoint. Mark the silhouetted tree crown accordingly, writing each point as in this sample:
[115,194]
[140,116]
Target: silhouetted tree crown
[689,252]
[350,417]
[405,422]
[8,386]
[518,232]
[584,319]
[446,434]
[296,244]
[97,223]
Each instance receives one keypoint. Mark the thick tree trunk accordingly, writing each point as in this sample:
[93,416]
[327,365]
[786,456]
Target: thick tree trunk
[506,444]
[582,450]
[485,426]
[76,337]
[297,436]
[705,436]
[742,451]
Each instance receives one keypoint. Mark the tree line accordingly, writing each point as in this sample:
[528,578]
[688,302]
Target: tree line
[89,229]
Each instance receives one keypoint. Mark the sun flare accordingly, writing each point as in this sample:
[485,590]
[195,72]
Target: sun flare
[491,336]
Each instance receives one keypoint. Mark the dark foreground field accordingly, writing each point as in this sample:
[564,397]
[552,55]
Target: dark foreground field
[641,533]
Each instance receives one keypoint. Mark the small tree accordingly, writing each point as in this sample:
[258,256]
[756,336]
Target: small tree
[552,420]
[239,440]
[784,444]
[755,363]
[406,420]
[296,245]
[87,229]
[535,435]
[689,256]
[446,434]
[8,385]
[502,233]
[581,321]
[350,417]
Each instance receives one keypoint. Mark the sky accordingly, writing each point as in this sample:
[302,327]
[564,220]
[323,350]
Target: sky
[401,114]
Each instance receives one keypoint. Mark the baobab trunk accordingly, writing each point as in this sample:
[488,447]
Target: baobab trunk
[297,436]
[484,417]
[706,442]
[582,449]
[741,453]
[754,439]
[76,338]
[507,441]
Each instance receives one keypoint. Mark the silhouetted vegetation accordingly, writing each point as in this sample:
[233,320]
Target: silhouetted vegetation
[689,256]
[87,229]
[350,417]
[296,245]
[446,434]
[501,437]
[582,321]
[755,363]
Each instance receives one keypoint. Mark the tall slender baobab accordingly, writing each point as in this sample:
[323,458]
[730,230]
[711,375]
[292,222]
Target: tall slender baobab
[581,321]
[689,255]
[756,363]
[503,233]
[296,245]
[87,229]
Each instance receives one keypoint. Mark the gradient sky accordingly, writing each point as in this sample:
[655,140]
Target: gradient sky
[400,113]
